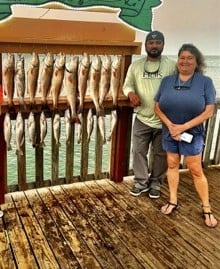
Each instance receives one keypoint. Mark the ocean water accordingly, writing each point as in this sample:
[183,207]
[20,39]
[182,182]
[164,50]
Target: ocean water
[213,70]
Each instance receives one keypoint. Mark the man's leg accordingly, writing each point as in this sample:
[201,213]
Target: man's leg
[141,138]
[159,164]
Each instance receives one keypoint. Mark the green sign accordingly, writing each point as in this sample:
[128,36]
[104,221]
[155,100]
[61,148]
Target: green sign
[136,13]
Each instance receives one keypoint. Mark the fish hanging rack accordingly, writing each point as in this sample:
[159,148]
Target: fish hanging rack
[27,35]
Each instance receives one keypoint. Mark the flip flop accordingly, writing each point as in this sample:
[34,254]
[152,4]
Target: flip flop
[168,212]
[210,218]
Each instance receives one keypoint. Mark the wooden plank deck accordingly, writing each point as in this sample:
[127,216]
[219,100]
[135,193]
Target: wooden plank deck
[98,224]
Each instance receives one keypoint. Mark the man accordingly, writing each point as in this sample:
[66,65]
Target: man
[141,84]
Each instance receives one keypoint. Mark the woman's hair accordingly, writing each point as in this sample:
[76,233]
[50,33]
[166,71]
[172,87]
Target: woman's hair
[198,55]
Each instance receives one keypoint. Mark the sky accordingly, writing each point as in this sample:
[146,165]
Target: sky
[187,21]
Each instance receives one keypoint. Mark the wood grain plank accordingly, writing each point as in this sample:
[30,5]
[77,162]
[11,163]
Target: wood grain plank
[86,230]
[37,241]
[57,243]
[70,235]
[119,249]
[23,254]
[123,225]
[180,230]
[6,255]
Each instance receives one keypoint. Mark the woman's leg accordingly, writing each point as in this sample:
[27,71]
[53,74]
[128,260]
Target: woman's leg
[173,160]
[194,163]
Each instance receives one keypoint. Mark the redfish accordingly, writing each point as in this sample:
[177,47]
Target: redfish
[104,84]
[19,134]
[46,76]
[56,128]
[32,77]
[31,127]
[8,71]
[70,85]
[7,130]
[20,79]
[90,124]
[57,78]
[93,82]
[43,128]
[115,78]
[113,123]
[83,72]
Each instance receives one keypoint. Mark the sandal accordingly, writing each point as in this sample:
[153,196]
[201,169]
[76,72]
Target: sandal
[209,218]
[169,208]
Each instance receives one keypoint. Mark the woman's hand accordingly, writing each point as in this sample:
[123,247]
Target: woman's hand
[176,129]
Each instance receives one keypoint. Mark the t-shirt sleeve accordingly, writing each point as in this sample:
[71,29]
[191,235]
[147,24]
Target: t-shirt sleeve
[210,92]
[128,85]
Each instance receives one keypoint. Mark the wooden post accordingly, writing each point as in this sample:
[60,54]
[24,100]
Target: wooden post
[119,166]
[3,160]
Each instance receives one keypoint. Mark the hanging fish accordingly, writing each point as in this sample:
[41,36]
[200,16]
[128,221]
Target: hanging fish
[20,79]
[67,119]
[32,77]
[115,78]
[93,83]
[101,124]
[43,128]
[79,128]
[57,78]
[31,127]
[104,84]
[8,71]
[90,124]
[113,123]
[7,131]
[19,134]
[83,72]
[56,128]
[46,76]
[70,85]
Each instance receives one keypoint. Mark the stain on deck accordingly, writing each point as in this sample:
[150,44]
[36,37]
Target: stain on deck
[98,224]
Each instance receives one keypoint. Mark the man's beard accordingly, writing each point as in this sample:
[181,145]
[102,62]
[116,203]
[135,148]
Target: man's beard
[154,54]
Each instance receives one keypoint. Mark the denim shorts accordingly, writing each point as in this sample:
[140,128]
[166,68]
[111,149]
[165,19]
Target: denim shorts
[184,148]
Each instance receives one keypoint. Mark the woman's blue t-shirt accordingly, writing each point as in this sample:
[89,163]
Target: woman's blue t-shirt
[183,102]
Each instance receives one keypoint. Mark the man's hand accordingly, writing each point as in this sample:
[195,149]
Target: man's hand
[134,99]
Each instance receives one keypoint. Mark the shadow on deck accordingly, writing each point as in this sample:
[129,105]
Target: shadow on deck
[97,224]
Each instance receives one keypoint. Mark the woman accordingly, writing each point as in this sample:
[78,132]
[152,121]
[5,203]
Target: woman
[184,101]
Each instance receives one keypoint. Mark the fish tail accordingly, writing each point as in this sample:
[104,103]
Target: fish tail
[114,106]
[45,106]
[42,145]
[109,138]
[19,152]
[100,112]
[9,147]
[22,106]
[80,109]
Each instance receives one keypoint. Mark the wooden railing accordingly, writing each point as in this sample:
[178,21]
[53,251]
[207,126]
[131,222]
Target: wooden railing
[119,147]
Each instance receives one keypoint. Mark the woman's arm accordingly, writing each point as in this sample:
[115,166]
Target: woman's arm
[161,115]
[176,129]
[205,115]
